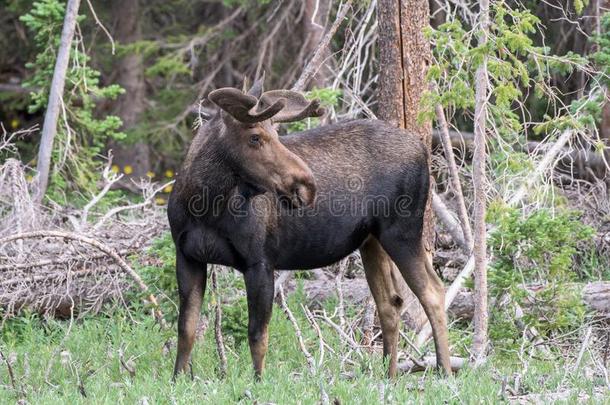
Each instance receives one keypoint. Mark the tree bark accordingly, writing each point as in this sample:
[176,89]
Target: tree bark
[130,105]
[479,342]
[404,55]
[49,128]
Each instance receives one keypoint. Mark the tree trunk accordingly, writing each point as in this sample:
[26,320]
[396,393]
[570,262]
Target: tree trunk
[49,128]
[404,54]
[130,105]
[479,343]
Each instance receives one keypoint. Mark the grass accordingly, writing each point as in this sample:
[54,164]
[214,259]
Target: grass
[51,357]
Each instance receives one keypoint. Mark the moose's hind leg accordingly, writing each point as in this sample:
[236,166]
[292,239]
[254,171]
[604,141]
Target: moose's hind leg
[416,268]
[191,278]
[378,269]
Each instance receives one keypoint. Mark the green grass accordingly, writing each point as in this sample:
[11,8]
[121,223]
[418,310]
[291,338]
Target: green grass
[51,358]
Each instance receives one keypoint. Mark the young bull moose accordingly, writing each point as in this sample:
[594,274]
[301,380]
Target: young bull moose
[249,199]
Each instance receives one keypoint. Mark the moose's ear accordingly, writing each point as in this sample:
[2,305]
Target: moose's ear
[257,88]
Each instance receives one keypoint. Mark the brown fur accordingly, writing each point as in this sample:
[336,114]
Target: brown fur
[346,163]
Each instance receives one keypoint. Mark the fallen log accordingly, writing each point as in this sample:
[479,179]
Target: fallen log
[595,295]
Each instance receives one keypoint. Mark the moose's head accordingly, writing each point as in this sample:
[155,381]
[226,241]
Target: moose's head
[251,142]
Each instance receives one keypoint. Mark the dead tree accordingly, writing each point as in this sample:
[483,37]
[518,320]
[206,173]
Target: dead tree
[479,344]
[49,128]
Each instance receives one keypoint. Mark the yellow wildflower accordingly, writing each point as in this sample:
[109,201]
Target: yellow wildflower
[115,168]
[169,173]
[150,174]
[14,123]
[168,188]
[160,201]
[128,169]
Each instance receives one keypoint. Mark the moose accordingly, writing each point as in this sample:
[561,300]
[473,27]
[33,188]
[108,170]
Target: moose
[252,200]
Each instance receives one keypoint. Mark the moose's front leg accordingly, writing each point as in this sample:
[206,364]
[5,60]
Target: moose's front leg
[259,289]
[191,278]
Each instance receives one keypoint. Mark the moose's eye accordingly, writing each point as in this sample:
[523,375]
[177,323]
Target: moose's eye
[255,140]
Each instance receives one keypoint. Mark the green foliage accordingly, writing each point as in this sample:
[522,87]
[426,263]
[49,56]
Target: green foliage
[159,270]
[520,73]
[535,249]
[81,135]
[585,112]
[579,5]
[235,321]
[168,65]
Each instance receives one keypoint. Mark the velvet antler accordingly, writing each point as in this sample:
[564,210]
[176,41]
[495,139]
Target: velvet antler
[244,107]
[297,106]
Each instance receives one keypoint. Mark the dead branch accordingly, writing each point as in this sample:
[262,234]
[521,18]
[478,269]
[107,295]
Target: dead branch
[103,28]
[280,280]
[354,345]
[297,331]
[312,321]
[148,199]
[455,178]
[316,60]
[51,262]
[453,226]
[11,375]
[110,179]
[104,248]
[220,345]
[338,280]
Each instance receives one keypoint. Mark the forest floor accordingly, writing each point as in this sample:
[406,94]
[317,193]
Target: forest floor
[124,356]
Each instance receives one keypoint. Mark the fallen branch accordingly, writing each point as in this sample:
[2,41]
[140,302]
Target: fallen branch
[297,331]
[104,248]
[428,362]
[453,226]
[54,262]
[11,375]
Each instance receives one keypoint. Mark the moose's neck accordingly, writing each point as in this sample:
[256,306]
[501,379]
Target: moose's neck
[206,172]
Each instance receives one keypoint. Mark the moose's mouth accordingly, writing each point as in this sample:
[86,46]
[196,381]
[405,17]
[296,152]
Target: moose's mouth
[299,196]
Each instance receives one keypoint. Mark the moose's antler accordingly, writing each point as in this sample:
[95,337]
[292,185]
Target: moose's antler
[244,107]
[257,87]
[297,106]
